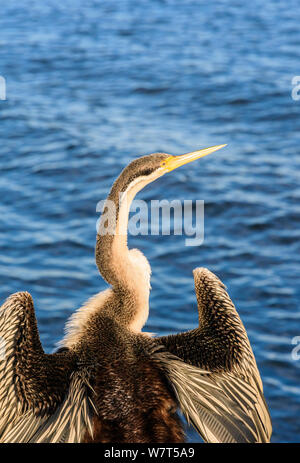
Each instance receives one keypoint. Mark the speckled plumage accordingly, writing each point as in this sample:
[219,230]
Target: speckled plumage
[111,383]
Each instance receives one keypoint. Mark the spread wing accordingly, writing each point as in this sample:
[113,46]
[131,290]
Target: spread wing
[42,397]
[213,371]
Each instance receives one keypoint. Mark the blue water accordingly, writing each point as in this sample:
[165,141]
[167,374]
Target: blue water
[93,84]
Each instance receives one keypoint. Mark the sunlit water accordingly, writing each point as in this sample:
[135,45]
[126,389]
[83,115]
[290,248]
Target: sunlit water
[92,85]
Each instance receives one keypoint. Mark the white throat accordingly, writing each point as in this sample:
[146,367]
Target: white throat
[142,274]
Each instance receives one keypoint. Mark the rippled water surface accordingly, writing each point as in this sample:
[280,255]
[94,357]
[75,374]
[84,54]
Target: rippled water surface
[92,85]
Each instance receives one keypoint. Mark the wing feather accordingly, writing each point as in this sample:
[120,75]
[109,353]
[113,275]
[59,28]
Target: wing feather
[213,370]
[217,409]
[42,397]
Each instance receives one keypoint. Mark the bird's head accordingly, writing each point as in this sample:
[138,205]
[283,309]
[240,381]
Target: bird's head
[144,170]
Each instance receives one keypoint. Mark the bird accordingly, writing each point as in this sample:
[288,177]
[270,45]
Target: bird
[111,382]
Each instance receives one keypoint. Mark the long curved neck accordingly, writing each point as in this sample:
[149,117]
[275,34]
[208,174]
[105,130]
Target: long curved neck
[128,271]
[111,245]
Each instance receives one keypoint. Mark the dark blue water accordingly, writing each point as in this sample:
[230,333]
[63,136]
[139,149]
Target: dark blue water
[94,84]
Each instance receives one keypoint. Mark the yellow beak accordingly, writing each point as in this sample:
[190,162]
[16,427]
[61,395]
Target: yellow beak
[173,162]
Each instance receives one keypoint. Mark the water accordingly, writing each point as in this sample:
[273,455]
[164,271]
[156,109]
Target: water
[92,85]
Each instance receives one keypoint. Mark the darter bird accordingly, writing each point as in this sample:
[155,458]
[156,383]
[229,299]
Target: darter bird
[109,381]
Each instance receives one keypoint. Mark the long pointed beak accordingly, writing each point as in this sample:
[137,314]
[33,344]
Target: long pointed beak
[173,162]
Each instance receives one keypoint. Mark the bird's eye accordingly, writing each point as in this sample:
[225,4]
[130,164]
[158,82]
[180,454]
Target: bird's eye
[146,172]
